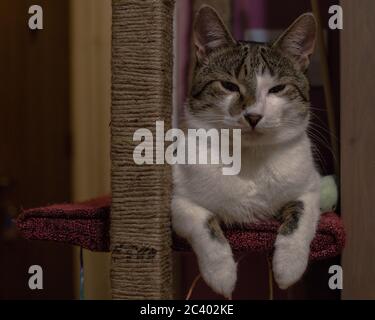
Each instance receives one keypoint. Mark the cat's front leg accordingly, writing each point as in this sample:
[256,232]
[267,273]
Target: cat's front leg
[292,246]
[201,228]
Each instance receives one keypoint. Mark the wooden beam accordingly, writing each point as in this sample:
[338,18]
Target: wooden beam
[358,148]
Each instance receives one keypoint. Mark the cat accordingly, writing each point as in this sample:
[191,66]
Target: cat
[263,90]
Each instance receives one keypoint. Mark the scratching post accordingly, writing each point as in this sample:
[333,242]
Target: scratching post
[142,60]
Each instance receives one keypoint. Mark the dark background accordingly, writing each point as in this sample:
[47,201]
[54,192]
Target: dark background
[34,142]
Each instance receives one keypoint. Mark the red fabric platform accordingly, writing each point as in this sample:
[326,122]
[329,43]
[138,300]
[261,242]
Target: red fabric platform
[83,224]
[87,225]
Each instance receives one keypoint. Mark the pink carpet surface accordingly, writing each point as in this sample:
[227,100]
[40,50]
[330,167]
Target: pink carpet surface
[82,224]
[87,225]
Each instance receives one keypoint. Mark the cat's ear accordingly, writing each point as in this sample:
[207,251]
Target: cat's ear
[210,33]
[298,41]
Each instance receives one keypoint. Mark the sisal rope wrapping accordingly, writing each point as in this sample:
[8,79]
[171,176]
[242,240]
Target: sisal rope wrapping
[142,61]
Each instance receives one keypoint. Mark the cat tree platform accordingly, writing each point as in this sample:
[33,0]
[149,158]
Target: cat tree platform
[87,225]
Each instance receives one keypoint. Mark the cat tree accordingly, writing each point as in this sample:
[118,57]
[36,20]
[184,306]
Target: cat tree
[135,223]
[142,63]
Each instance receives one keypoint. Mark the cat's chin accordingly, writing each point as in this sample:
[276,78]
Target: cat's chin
[257,138]
[256,141]
[251,137]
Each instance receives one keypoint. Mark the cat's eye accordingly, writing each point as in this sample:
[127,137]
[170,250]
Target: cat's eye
[277,89]
[230,86]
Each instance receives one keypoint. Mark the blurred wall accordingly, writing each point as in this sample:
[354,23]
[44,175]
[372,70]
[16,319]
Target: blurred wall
[35,150]
[90,38]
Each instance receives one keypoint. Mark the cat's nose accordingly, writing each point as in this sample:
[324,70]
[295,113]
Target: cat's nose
[253,119]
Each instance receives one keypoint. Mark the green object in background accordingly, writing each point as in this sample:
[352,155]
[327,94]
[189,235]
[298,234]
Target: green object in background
[328,194]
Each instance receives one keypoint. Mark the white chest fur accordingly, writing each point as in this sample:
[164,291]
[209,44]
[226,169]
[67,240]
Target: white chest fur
[270,177]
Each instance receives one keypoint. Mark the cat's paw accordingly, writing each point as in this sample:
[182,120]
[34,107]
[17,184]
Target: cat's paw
[289,261]
[221,275]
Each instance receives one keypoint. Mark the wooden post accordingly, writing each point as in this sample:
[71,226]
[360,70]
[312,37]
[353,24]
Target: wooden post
[358,148]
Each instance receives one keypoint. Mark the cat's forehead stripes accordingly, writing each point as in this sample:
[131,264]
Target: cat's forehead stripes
[242,65]
[254,58]
[265,63]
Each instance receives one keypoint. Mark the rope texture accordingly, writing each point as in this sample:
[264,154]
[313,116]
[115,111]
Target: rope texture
[142,62]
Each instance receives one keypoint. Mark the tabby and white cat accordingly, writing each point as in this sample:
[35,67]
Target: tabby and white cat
[261,89]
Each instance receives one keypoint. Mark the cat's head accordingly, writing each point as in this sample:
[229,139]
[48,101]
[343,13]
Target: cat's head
[259,88]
